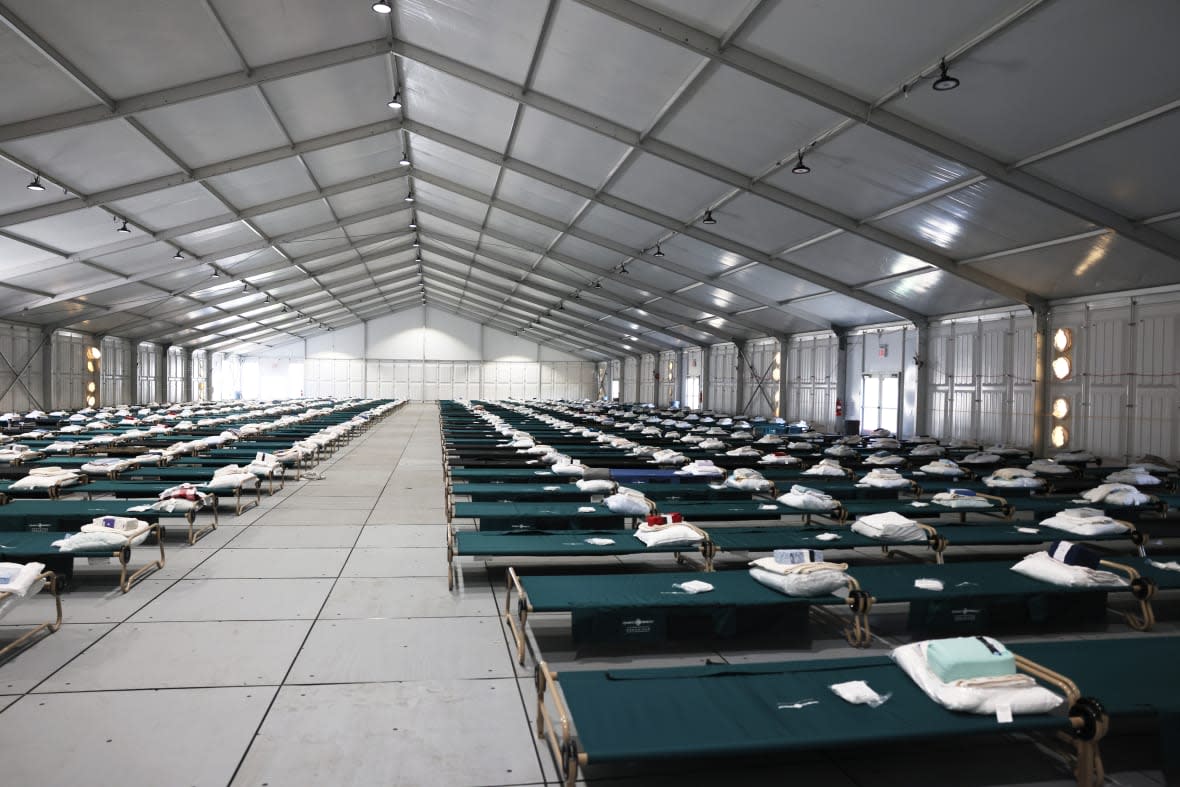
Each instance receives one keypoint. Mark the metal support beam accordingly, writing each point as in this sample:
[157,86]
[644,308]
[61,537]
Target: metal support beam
[162,372]
[922,385]
[836,100]
[739,397]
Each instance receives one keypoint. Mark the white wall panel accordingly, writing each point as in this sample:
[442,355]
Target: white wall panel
[177,363]
[811,380]
[647,378]
[21,380]
[147,371]
[69,369]
[723,370]
[113,369]
[347,342]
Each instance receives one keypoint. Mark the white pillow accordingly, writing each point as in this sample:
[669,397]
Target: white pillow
[984,701]
[678,533]
[814,583]
[595,486]
[1042,566]
[629,504]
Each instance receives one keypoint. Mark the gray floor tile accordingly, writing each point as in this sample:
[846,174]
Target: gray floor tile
[133,738]
[271,564]
[403,597]
[298,536]
[360,651]
[332,503]
[402,536]
[311,516]
[394,734]
[237,599]
[179,655]
[182,560]
[21,672]
[6,700]
[89,603]
[397,562]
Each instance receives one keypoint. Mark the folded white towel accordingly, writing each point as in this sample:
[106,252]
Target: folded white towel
[19,578]
[1042,566]
[694,586]
[890,526]
[859,693]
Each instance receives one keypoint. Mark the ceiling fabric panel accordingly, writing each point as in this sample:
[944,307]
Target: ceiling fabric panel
[982,218]
[554,148]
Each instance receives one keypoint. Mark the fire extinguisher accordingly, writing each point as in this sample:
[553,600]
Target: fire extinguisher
[839,408]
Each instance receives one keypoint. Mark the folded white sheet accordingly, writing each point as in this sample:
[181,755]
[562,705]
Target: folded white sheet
[677,533]
[826,467]
[890,526]
[1022,697]
[1042,566]
[1087,524]
[1116,494]
[819,582]
[884,478]
[19,578]
[808,499]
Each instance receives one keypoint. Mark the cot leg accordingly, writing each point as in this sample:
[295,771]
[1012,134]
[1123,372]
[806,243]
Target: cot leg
[124,555]
[523,608]
[51,626]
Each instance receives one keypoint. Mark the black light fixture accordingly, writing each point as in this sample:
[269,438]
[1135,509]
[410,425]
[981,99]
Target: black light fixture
[418,258]
[35,183]
[413,224]
[659,251]
[945,81]
[216,274]
[597,284]
[245,287]
[708,218]
[623,268]
[178,255]
[409,197]
[383,7]
[285,309]
[416,243]
[124,228]
[800,168]
[405,160]
[267,298]
[396,101]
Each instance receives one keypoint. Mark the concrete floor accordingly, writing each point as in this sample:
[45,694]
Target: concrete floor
[312,641]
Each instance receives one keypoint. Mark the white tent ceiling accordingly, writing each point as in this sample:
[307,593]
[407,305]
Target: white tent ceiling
[563,156]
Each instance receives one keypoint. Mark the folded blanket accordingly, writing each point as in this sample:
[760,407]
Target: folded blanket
[818,580]
[235,480]
[701,468]
[826,467]
[958,498]
[678,533]
[748,480]
[745,450]
[980,458]
[595,486]
[840,451]
[19,578]
[927,449]
[1086,524]
[1049,467]
[1132,475]
[1154,464]
[629,502]
[884,459]
[884,478]
[1020,694]
[779,459]
[1042,566]
[808,499]
[1116,494]
[889,526]
[942,467]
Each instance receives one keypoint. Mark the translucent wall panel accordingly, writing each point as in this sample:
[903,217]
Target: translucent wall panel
[69,369]
[114,368]
[147,371]
[723,369]
[811,381]
[21,380]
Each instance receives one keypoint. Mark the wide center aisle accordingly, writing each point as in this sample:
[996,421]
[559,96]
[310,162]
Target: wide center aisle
[310,641]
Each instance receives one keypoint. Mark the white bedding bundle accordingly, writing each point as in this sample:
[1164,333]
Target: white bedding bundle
[927,449]
[1048,467]
[674,533]
[884,459]
[1018,693]
[890,526]
[800,579]
[1116,494]
[629,502]
[808,499]
[1133,475]
[1085,522]
[942,467]
[779,459]
[961,498]
[701,468]
[1014,478]
[748,480]
[826,467]
[884,478]
[1043,566]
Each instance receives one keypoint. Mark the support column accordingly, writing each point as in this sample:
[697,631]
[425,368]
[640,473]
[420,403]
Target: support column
[681,374]
[1040,435]
[208,376]
[784,343]
[48,353]
[131,382]
[162,373]
[740,381]
[922,383]
[706,377]
[841,379]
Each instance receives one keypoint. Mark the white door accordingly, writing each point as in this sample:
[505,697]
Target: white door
[880,396]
